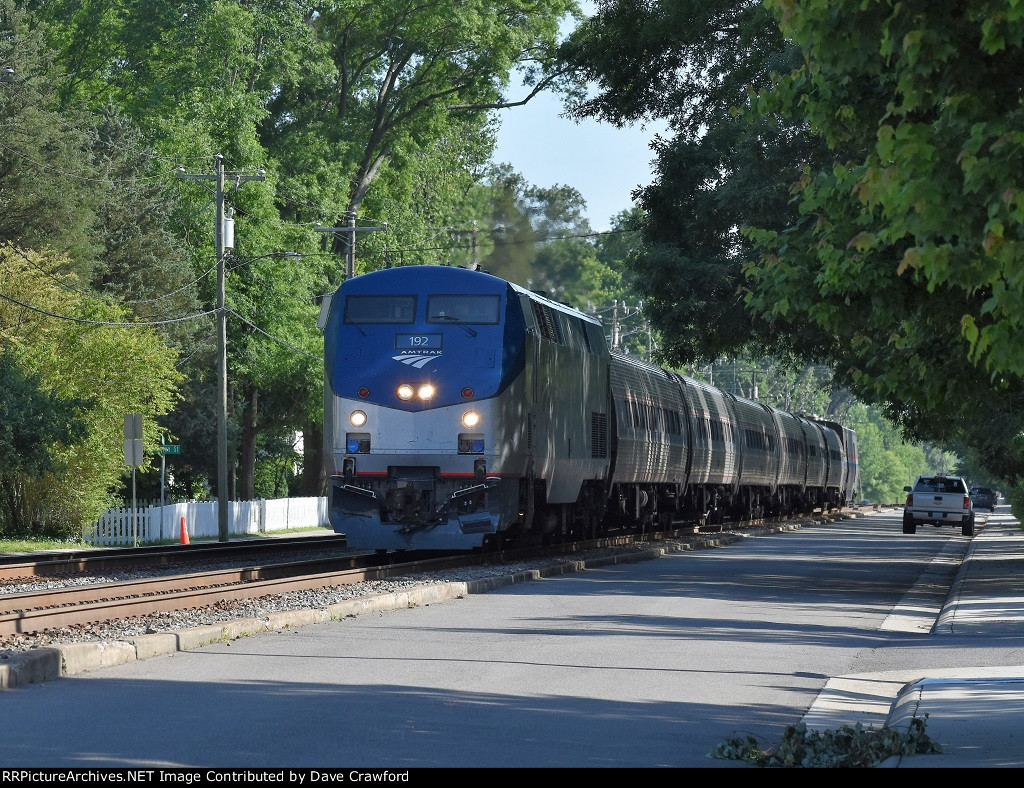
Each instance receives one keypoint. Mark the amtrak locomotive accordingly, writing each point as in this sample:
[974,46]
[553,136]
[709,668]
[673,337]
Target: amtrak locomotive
[464,411]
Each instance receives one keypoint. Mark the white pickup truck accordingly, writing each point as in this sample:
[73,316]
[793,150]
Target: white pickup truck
[938,500]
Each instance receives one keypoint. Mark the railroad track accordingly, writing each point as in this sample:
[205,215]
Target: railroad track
[38,611]
[62,563]
[85,604]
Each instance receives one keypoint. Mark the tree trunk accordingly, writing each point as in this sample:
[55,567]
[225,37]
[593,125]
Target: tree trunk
[247,471]
[314,471]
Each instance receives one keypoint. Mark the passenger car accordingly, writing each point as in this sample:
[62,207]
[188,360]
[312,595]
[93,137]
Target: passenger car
[984,498]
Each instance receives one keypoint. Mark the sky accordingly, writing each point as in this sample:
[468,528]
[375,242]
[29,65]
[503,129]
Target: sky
[602,163]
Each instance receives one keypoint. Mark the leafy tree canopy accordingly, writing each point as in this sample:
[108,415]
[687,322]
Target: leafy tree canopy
[360,110]
[907,246]
[841,188]
[76,349]
[31,420]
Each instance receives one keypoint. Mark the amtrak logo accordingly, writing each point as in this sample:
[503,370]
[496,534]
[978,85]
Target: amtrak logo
[418,360]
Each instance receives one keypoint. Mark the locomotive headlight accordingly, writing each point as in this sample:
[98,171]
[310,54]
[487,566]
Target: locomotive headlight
[470,418]
[358,418]
[426,392]
[404,391]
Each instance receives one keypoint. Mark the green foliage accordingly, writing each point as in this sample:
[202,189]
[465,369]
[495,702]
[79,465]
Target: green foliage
[693,63]
[542,241]
[1015,497]
[907,247]
[32,423]
[850,747]
[60,339]
[841,189]
[887,462]
[275,468]
[31,420]
[381,111]
[48,191]
[932,189]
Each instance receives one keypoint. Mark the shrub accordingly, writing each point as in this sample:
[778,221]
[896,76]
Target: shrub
[848,747]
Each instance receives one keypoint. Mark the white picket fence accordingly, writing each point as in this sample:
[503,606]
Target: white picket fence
[152,523]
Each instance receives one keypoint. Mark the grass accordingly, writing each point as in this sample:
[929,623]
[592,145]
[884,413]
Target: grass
[36,545]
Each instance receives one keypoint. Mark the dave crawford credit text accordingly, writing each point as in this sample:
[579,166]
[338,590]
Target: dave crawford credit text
[192,776]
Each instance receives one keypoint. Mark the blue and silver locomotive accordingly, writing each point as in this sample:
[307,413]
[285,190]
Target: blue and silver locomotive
[462,410]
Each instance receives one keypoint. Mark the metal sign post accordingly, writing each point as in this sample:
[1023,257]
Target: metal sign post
[163,464]
[133,457]
[164,451]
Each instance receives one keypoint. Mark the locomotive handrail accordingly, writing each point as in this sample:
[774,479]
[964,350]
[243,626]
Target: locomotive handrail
[491,482]
[359,491]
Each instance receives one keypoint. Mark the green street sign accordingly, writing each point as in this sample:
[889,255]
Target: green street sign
[170,450]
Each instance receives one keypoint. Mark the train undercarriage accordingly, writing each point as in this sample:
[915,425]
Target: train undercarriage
[640,508]
[414,503]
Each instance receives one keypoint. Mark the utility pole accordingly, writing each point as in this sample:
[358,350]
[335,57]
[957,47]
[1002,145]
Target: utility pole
[350,229]
[222,329]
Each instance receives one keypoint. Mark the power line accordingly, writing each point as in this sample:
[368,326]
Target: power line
[275,339]
[546,239]
[88,179]
[132,324]
[99,294]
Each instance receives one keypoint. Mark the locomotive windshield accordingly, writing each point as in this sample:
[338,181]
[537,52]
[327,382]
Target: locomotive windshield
[463,308]
[380,309]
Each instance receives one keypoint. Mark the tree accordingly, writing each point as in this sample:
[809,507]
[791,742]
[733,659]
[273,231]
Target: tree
[32,422]
[930,95]
[400,77]
[839,189]
[48,195]
[693,64]
[79,349]
[351,108]
[906,246]
[79,180]
[887,462]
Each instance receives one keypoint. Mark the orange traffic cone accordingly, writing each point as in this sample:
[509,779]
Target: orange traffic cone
[184,532]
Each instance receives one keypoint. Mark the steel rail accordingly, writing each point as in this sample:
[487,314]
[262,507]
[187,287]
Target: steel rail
[100,603]
[99,560]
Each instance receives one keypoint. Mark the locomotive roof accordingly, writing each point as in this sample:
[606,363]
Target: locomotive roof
[458,272]
[559,305]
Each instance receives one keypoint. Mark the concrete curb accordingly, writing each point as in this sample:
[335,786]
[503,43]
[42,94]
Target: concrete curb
[46,664]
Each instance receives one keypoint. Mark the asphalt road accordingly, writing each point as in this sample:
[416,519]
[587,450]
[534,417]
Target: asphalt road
[650,664]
